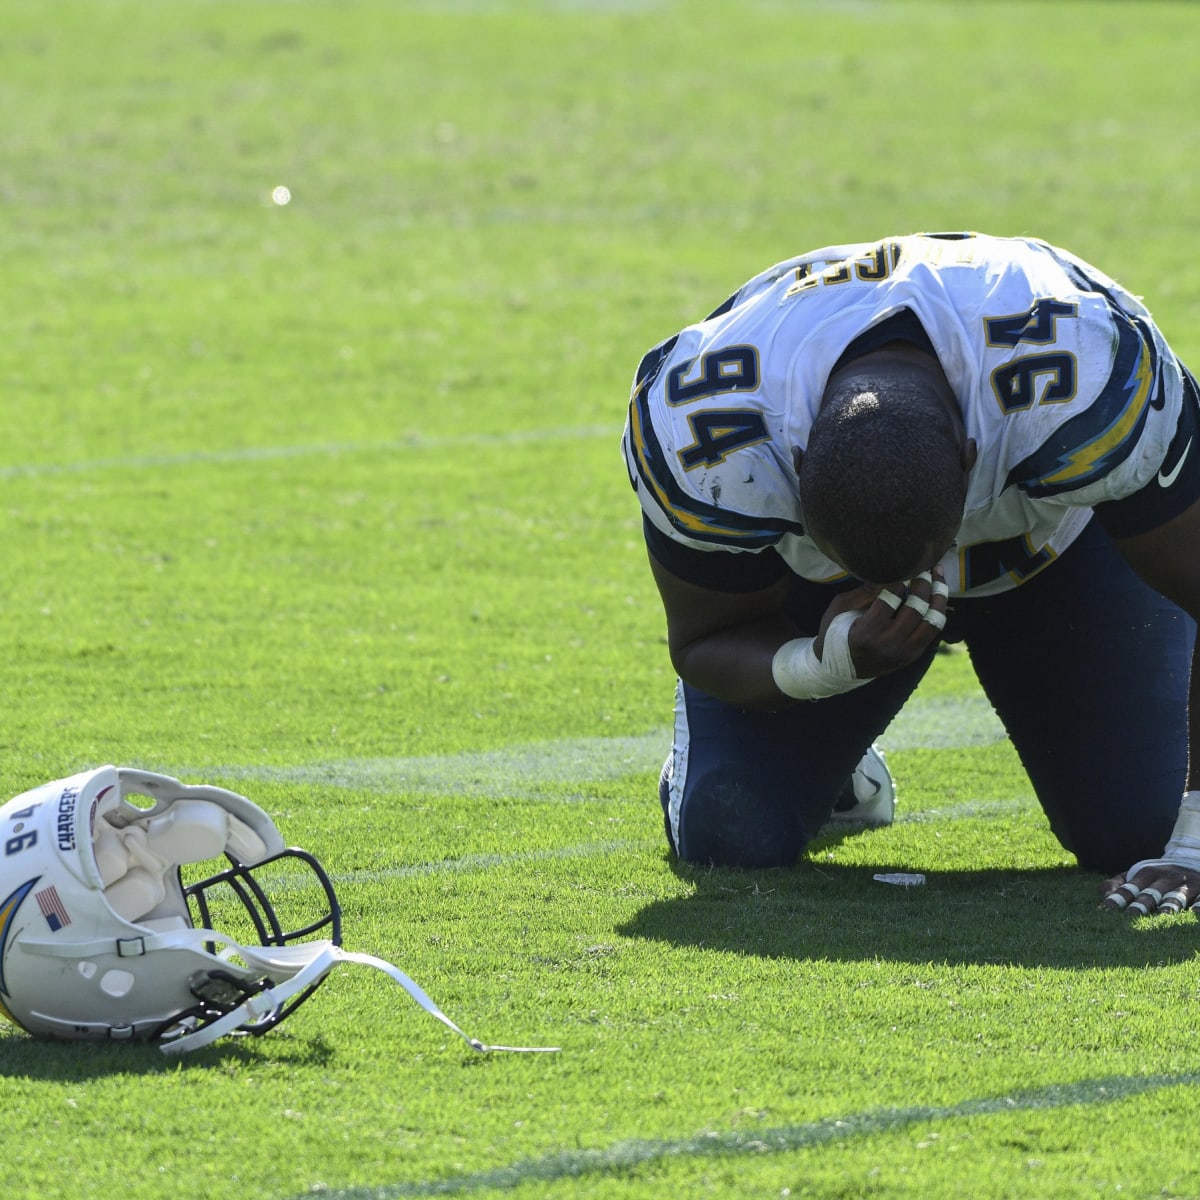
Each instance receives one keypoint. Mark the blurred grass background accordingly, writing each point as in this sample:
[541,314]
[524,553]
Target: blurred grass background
[313,498]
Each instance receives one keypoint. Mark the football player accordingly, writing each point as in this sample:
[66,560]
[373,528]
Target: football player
[871,449]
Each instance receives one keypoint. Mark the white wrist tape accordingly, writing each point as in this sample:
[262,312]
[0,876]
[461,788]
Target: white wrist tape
[1183,848]
[799,673]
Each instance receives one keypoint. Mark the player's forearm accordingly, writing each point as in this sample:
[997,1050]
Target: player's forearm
[735,664]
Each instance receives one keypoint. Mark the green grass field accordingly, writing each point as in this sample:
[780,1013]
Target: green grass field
[323,501]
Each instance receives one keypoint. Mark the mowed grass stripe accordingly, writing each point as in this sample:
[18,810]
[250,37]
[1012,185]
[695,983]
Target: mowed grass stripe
[255,454]
[831,1130]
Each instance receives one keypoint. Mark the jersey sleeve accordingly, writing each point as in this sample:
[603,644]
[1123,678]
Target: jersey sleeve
[718,570]
[1175,487]
[1122,397]
[707,476]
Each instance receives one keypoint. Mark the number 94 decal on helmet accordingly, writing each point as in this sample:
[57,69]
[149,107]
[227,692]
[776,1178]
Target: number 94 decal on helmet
[114,925]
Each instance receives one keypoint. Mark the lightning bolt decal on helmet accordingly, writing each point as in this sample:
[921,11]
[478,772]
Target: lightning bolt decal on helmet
[111,928]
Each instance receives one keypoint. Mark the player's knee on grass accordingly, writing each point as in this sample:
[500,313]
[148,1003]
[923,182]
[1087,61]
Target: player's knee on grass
[727,821]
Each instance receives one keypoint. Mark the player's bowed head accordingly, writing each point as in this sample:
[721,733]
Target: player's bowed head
[883,480]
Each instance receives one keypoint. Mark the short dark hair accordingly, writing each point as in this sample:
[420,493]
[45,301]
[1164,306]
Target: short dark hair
[881,480]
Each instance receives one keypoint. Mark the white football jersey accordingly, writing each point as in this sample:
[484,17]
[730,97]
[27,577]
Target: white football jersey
[1069,390]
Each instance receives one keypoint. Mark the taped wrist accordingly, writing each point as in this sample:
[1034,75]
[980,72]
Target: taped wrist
[799,673]
[1183,847]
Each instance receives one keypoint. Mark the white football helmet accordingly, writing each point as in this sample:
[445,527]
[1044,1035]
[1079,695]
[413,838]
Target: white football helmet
[101,937]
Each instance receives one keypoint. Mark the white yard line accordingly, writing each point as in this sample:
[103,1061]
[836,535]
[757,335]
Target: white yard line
[516,770]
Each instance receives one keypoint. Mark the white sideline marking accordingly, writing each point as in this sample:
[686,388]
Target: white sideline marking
[619,1157]
[254,454]
[515,771]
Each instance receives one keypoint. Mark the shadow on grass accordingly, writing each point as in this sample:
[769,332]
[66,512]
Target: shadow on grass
[23,1057]
[1037,918]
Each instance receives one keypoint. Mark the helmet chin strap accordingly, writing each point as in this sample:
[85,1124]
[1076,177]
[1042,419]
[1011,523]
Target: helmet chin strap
[318,959]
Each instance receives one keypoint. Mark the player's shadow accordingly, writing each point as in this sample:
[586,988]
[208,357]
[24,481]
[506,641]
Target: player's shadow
[1039,918]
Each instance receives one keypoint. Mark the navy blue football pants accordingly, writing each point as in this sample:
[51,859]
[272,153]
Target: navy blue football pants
[1086,666]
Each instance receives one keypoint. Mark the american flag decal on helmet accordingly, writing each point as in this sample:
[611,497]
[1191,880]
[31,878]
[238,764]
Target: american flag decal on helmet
[52,909]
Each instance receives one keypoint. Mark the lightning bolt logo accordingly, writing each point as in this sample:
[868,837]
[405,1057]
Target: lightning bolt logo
[8,914]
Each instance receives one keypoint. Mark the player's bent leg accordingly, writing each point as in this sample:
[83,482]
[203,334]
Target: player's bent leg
[750,789]
[1088,668]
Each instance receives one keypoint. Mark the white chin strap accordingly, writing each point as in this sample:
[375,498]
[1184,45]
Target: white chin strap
[315,960]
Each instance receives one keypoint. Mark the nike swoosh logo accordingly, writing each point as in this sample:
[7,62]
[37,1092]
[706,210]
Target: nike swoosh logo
[1170,477]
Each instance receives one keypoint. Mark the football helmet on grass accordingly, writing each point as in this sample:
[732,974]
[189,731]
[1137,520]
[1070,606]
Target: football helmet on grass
[111,929]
